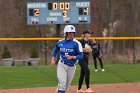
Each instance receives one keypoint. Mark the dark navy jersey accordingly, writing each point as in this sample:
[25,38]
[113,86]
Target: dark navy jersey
[71,47]
[96,48]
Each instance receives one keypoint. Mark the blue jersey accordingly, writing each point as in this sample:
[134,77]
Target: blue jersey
[71,47]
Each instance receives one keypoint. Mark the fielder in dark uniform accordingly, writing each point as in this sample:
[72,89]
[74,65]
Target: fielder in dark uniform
[97,54]
[85,72]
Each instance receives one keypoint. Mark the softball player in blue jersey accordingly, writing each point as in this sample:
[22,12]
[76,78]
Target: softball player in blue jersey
[70,52]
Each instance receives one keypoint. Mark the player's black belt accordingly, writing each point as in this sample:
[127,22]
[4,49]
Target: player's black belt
[71,65]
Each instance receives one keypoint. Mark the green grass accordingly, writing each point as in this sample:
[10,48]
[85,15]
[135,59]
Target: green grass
[18,77]
[42,76]
[117,73]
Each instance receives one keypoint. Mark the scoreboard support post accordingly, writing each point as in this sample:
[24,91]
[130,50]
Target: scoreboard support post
[57,30]
[58,35]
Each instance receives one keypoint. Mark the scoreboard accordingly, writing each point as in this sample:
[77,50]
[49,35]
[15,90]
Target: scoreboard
[58,12]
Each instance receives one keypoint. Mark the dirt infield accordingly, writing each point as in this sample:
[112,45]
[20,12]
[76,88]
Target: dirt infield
[98,88]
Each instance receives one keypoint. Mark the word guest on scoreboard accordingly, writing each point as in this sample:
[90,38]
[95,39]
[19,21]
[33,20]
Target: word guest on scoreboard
[58,12]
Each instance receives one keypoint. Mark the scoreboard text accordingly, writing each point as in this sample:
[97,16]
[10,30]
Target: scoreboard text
[60,12]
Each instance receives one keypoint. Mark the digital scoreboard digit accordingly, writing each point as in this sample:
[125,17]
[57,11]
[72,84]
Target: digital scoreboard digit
[58,12]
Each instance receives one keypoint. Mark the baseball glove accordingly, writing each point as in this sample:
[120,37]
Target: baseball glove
[87,48]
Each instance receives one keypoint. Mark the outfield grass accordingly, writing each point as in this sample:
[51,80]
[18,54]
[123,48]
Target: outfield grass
[42,76]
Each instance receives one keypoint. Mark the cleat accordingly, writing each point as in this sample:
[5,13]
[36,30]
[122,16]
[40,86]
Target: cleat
[103,70]
[80,91]
[89,90]
[96,70]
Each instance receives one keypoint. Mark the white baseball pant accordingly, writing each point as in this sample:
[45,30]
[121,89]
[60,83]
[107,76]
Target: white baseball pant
[65,75]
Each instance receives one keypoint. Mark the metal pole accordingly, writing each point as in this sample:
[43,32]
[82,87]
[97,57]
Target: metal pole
[45,52]
[57,35]
[134,56]
[39,34]
[58,30]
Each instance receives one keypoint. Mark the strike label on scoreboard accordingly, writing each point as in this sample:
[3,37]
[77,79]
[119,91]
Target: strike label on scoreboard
[58,12]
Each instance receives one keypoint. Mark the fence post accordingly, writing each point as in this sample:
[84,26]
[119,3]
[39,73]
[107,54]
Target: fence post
[134,56]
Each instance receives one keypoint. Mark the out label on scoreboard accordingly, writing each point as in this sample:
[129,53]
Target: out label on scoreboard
[58,12]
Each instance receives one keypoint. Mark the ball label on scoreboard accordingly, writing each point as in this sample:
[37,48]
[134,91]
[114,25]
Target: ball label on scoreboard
[58,12]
